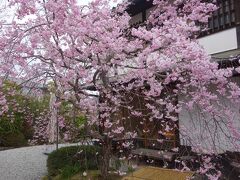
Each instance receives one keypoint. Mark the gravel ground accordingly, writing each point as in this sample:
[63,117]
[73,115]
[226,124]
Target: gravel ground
[27,163]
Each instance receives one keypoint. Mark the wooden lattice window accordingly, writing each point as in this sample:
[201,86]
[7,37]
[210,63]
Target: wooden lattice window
[226,16]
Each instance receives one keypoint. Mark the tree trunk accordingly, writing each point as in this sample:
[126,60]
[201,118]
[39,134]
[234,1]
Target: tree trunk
[104,164]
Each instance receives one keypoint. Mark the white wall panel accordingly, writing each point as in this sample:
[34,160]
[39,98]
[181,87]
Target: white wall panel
[200,129]
[220,42]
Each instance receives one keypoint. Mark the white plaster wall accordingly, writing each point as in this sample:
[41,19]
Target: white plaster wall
[199,129]
[220,42]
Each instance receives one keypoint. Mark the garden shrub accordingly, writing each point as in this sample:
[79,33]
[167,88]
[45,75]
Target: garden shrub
[28,130]
[15,123]
[69,160]
[29,114]
[15,139]
[70,170]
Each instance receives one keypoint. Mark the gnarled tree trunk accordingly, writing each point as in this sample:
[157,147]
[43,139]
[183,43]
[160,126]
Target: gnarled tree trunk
[105,159]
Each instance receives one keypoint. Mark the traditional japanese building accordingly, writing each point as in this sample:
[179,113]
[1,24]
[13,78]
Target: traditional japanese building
[221,40]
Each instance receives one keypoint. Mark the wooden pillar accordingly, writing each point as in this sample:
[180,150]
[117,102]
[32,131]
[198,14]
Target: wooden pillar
[237,11]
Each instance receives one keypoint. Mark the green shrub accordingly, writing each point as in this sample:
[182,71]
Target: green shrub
[15,139]
[18,120]
[27,131]
[69,160]
[68,171]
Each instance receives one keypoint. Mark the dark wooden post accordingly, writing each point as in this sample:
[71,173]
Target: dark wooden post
[237,11]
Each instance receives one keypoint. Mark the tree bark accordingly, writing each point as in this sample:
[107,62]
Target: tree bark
[105,160]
